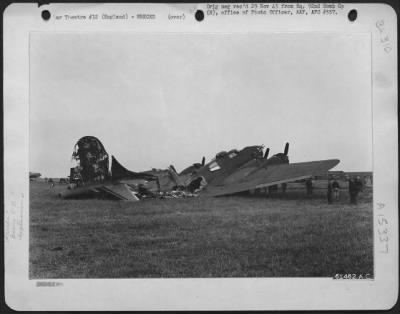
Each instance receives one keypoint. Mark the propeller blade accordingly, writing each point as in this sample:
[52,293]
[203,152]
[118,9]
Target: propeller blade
[286,149]
[203,161]
[173,168]
[266,153]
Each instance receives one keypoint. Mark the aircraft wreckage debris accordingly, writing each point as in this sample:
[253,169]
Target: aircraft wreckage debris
[229,172]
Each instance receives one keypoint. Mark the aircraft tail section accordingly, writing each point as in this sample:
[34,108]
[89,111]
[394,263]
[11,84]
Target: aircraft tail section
[118,171]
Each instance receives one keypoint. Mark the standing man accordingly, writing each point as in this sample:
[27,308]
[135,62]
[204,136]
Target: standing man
[329,191]
[353,190]
[336,187]
[359,184]
[284,186]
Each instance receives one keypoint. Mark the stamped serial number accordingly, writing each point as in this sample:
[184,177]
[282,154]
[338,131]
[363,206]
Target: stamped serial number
[352,276]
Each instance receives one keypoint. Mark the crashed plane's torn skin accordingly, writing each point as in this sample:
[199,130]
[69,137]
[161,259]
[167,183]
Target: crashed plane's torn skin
[228,173]
[92,176]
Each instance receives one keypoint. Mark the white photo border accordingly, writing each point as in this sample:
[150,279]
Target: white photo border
[377,20]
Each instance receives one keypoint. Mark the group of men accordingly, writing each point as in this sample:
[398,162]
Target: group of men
[355,187]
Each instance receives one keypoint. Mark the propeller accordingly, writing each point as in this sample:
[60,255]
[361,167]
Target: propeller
[266,153]
[173,168]
[199,165]
[286,149]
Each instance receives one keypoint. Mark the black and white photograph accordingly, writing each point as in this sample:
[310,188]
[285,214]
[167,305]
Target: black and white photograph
[181,153]
[200,156]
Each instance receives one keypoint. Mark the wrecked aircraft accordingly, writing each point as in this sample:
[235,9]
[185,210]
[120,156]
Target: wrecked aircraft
[240,171]
[228,173]
[92,176]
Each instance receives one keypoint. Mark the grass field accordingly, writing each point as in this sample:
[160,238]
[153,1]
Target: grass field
[238,236]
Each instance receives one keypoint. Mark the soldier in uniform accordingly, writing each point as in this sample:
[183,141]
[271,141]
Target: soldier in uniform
[359,184]
[336,187]
[309,186]
[353,190]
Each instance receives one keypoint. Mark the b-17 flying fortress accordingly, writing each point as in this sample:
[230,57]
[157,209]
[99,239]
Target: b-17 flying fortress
[229,172]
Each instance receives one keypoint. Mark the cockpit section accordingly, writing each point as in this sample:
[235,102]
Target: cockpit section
[214,166]
[233,153]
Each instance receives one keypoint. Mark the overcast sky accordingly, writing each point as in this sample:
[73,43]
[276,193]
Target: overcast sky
[161,99]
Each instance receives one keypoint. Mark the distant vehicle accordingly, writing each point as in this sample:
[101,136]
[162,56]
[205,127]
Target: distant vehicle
[228,173]
[34,175]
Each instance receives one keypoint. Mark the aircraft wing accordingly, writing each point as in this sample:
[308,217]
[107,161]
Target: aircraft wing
[118,190]
[244,180]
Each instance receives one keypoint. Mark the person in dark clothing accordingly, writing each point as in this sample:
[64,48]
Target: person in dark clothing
[284,187]
[309,186]
[335,187]
[359,184]
[353,190]
[272,189]
[329,195]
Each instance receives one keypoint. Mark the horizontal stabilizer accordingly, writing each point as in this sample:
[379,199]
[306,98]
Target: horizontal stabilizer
[120,191]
